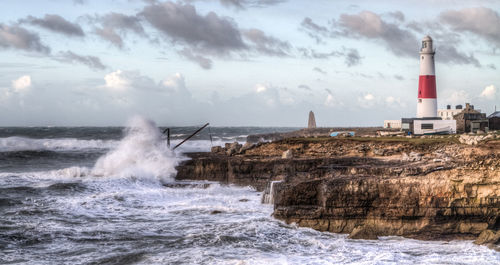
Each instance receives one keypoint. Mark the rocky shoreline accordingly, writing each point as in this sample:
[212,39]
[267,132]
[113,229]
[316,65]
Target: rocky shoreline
[426,188]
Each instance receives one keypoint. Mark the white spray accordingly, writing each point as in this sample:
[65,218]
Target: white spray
[141,153]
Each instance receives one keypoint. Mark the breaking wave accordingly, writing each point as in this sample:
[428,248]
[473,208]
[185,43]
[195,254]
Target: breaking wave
[17,144]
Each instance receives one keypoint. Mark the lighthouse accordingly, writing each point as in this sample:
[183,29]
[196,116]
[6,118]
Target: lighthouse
[427,97]
[427,120]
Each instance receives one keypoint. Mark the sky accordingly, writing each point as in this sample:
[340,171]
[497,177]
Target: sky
[240,62]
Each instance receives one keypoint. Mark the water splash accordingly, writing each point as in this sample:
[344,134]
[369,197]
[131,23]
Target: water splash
[142,153]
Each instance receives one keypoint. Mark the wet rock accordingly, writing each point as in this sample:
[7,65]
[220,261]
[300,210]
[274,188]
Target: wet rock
[246,146]
[488,237]
[215,212]
[287,154]
[233,148]
[379,152]
[244,200]
[363,232]
[217,149]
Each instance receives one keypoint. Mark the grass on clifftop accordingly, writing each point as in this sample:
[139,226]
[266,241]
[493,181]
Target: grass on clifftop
[416,140]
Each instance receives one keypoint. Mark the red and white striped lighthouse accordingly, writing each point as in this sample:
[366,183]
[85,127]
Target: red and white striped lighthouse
[427,97]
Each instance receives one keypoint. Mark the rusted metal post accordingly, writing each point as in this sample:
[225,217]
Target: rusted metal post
[189,137]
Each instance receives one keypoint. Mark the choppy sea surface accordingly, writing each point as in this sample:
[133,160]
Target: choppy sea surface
[108,196]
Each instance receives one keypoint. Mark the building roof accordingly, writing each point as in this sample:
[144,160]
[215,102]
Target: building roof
[495,114]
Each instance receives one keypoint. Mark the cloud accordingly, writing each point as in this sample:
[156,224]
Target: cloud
[19,38]
[176,84]
[243,4]
[330,100]
[259,88]
[489,92]
[398,15]
[305,87]
[371,26]
[92,62]
[117,81]
[319,70]
[181,23]
[314,30]
[56,24]
[114,27]
[203,62]
[267,44]
[351,56]
[449,54]
[22,84]
[482,21]
[399,77]
[457,97]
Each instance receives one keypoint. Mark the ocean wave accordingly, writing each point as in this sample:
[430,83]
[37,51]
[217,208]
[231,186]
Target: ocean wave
[16,144]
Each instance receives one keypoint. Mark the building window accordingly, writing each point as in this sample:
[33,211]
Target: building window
[427,126]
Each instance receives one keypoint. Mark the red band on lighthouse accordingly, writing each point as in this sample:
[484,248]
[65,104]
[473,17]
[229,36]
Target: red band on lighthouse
[427,86]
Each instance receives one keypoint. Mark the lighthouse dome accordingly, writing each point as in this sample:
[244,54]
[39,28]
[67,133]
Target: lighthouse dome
[427,38]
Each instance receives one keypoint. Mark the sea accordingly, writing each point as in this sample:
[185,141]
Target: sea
[107,195]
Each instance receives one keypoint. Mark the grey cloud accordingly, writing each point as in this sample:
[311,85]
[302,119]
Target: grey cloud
[18,37]
[399,77]
[314,30]
[398,15]
[369,25]
[267,44]
[449,54]
[114,26]
[110,35]
[243,4]
[55,23]
[352,58]
[491,66]
[313,54]
[181,23]
[305,87]
[203,62]
[90,61]
[481,21]
[319,70]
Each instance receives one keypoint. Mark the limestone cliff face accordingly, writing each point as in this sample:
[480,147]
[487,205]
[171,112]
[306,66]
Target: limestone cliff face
[427,189]
[457,203]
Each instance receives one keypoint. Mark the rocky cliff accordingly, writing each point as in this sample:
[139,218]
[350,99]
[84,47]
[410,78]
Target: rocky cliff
[427,188]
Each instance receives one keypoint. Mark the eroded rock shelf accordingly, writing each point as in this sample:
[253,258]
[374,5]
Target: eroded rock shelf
[430,188]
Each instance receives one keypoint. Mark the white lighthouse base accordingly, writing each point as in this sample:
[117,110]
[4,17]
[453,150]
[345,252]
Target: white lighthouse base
[427,108]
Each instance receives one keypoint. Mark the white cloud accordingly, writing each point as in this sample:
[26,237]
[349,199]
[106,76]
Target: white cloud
[22,84]
[118,81]
[259,88]
[489,92]
[367,101]
[458,97]
[369,97]
[330,100]
[175,82]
